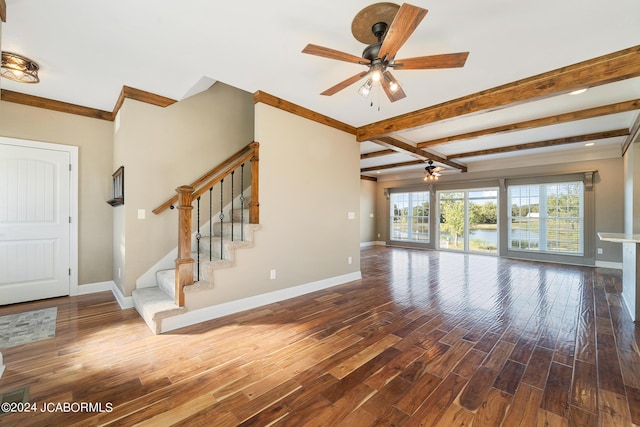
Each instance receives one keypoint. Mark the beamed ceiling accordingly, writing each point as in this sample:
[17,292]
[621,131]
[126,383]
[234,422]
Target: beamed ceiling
[509,106]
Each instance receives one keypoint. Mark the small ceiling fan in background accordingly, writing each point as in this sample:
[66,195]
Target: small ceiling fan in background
[432,172]
[385,27]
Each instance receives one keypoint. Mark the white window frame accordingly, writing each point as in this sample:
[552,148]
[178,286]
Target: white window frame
[544,219]
[410,216]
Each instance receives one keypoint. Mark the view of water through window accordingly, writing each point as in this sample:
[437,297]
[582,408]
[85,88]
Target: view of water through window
[469,220]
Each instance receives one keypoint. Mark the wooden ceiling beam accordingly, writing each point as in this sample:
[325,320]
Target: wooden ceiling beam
[3,11]
[369,178]
[542,144]
[620,107]
[380,153]
[605,69]
[392,166]
[394,144]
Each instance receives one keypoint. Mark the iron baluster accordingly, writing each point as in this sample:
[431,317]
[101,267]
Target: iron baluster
[221,216]
[211,224]
[242,202]
[198,236]
[232,215]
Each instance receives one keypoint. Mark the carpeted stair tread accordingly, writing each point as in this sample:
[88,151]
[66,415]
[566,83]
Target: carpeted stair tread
[154,304]
[157,303]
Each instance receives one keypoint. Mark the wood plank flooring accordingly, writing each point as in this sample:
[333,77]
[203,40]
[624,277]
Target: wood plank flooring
[424,339]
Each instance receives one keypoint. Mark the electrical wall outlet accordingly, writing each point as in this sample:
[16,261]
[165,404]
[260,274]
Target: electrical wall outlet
[142,214]
[350,260]
[272,274]
[600,251]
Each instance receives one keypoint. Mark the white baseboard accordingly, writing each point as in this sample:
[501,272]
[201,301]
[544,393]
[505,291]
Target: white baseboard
[92,288]
[608,264]
[626,305]
[124,302]
[220,310]
[374,243]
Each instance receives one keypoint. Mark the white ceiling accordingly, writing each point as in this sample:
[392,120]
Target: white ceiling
[88,50]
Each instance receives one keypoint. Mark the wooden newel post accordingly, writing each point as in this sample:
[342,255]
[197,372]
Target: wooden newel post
[184,262]
[254,205]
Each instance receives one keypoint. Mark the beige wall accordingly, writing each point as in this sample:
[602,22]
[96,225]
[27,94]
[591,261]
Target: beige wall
[161,149]
[608,188]
[95,154]
[367,211]
[309,182]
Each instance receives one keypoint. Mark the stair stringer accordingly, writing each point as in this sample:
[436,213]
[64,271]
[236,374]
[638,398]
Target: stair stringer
[209,267]
[155,306]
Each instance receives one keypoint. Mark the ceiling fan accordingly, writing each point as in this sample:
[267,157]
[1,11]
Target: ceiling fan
[432,172]
[371,26]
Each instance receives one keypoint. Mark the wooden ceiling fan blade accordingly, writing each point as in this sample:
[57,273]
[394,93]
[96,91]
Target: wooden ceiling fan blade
[326,52]
[344,84]
[446,60]
[393,95]
[404,24]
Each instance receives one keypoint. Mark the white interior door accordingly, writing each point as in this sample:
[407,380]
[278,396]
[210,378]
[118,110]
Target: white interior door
[34,223]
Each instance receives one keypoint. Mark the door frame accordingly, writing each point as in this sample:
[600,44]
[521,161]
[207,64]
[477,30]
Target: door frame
[73,198]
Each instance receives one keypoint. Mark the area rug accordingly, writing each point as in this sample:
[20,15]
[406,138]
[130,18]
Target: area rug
[27,327]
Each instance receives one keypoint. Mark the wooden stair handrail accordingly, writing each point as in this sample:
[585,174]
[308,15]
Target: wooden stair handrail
[186,194]
[195,184]
[233,166]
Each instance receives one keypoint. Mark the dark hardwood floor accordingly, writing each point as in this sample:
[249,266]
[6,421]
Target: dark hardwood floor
[425,338]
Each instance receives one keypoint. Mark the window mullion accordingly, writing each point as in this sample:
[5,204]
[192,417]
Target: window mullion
[542,221]
[410,218]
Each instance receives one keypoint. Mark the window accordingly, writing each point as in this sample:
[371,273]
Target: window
[410,216]
[547,218]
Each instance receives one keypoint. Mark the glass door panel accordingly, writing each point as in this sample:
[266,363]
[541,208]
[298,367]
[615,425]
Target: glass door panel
[483,221]
[468,220]
[452,224]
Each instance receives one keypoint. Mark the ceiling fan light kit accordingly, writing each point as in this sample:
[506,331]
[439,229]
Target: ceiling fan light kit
[394,84]
[365,89]
[19,68]
[385,27]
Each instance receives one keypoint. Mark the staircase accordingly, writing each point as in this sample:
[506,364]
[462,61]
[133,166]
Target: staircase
[158,303]
[198,258]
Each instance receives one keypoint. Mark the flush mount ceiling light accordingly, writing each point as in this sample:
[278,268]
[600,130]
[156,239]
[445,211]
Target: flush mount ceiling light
[18,68]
